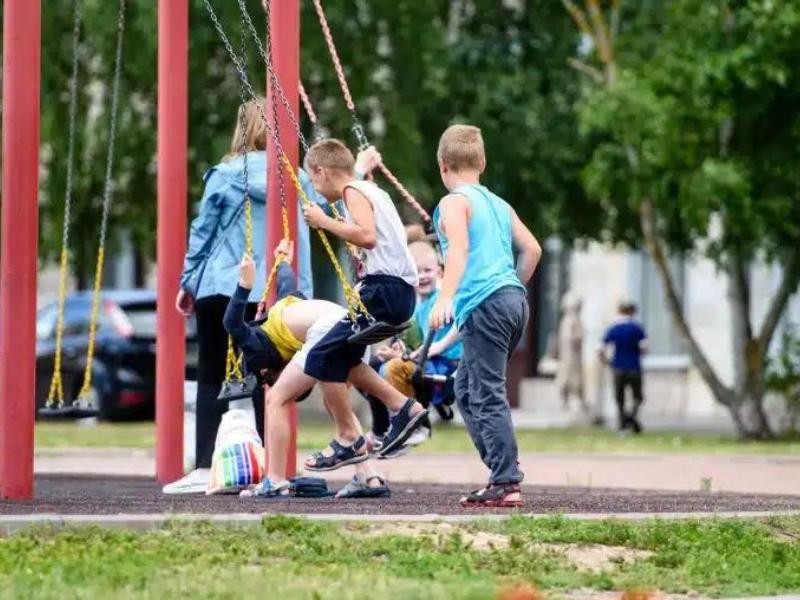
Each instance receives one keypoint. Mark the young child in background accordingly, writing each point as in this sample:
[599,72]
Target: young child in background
[629,340]
[397,361]
[483,291]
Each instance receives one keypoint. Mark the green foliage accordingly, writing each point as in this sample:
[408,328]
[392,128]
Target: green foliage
[783,376]
[413,68]
[704,120]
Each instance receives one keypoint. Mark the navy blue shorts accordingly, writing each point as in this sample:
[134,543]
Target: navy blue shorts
[388,299]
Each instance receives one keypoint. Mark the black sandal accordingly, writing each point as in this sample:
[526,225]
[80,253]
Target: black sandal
[341,457]
[494,496]
[361,489]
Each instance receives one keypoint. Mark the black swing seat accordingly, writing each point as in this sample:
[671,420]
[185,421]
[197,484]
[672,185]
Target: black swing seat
[76,410]
[238,389]
[375,332]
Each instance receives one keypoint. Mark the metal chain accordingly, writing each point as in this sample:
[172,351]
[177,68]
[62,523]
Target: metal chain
[243,149]
[234,361]
[273,77]
[358,128]
[85,391]
[354,253]
[247,24]
[56,394]
[354,303]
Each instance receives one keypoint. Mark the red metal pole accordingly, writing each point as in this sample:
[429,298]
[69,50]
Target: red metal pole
[284,29]
[173,83]
[21,85]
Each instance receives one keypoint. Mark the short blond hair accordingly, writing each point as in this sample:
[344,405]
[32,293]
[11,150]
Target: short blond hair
[461,147]
[422,249]
[330,153]
[415,233]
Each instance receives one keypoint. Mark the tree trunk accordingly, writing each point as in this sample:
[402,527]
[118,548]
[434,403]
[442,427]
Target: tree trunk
[745,400]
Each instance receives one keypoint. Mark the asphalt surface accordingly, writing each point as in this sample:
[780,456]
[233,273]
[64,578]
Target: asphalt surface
[87,495]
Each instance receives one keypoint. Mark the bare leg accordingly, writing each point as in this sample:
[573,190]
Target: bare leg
[337,401]
[348,427]
[367,473]
[291,384]
[366,379]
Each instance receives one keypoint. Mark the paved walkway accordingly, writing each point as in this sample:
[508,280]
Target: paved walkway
[745,474]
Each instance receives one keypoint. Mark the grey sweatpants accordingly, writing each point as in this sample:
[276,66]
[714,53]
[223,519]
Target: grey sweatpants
[490,334]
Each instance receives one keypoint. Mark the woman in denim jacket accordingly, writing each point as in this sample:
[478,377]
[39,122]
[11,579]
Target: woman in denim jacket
[211,271]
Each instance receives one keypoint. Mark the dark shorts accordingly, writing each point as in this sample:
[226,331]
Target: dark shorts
[388,299]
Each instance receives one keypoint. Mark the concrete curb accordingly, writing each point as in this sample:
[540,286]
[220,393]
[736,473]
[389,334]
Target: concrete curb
[10,524]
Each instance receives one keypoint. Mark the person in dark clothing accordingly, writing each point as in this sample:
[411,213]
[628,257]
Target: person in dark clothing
[629,340]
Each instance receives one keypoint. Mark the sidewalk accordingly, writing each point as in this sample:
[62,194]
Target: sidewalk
[744,474]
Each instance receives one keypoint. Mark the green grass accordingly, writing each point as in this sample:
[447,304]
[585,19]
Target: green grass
[286,557]
[445,439]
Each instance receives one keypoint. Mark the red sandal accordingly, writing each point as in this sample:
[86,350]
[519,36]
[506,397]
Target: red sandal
[500,495]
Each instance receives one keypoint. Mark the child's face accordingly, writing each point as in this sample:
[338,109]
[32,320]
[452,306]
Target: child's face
[322,182]
[429,273]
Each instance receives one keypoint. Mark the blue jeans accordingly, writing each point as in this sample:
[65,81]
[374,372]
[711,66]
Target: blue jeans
[490,334]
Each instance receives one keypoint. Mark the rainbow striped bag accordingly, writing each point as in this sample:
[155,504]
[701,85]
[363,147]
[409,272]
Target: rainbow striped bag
[238,460]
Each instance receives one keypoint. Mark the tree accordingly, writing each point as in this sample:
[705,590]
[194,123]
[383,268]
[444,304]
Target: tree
[413,68]
[693,114]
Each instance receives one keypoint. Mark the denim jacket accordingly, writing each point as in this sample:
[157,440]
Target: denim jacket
[217,235]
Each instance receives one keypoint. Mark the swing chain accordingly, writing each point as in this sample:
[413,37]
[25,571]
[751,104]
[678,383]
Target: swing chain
[273,77]
[354,303]
[233,361]
[357,127]
[85,391]
[56,394]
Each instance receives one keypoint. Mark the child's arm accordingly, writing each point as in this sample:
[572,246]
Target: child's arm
[455,214]
[287,282]
[529,250]
[233,320]
[441,346]
[361,232]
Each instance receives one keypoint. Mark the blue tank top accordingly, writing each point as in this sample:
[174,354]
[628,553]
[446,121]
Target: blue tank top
[490,258]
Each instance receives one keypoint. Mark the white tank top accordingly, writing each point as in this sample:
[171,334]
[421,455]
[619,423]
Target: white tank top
[390,256]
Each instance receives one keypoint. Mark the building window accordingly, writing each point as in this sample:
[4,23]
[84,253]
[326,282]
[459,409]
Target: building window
[647,291]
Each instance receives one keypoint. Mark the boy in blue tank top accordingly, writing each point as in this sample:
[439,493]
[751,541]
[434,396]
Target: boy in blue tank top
[483,291]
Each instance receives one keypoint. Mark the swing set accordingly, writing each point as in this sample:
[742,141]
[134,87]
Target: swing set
[21,94]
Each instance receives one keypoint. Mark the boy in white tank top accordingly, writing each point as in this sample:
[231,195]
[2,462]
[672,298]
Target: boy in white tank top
[386,286]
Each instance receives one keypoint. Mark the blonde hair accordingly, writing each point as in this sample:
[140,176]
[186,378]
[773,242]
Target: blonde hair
[421,249]
[415,233]
[461,147]
[330,153]
[253,136]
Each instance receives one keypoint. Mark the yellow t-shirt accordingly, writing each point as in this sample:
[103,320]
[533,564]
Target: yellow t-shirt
[277,331]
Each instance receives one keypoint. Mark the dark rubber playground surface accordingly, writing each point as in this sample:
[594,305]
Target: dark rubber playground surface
[81,495]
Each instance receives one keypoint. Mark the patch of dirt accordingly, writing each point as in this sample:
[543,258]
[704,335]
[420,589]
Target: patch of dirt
[594,557]
[478,540]
[586,557]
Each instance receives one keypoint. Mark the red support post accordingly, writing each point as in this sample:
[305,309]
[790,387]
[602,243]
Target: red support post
[284,30]
[22,38]
[173,83]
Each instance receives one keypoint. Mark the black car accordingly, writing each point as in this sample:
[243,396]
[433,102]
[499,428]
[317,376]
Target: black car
[123,380]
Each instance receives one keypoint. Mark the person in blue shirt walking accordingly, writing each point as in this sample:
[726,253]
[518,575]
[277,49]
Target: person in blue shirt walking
[211,270]
[629,340]
[483,290]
